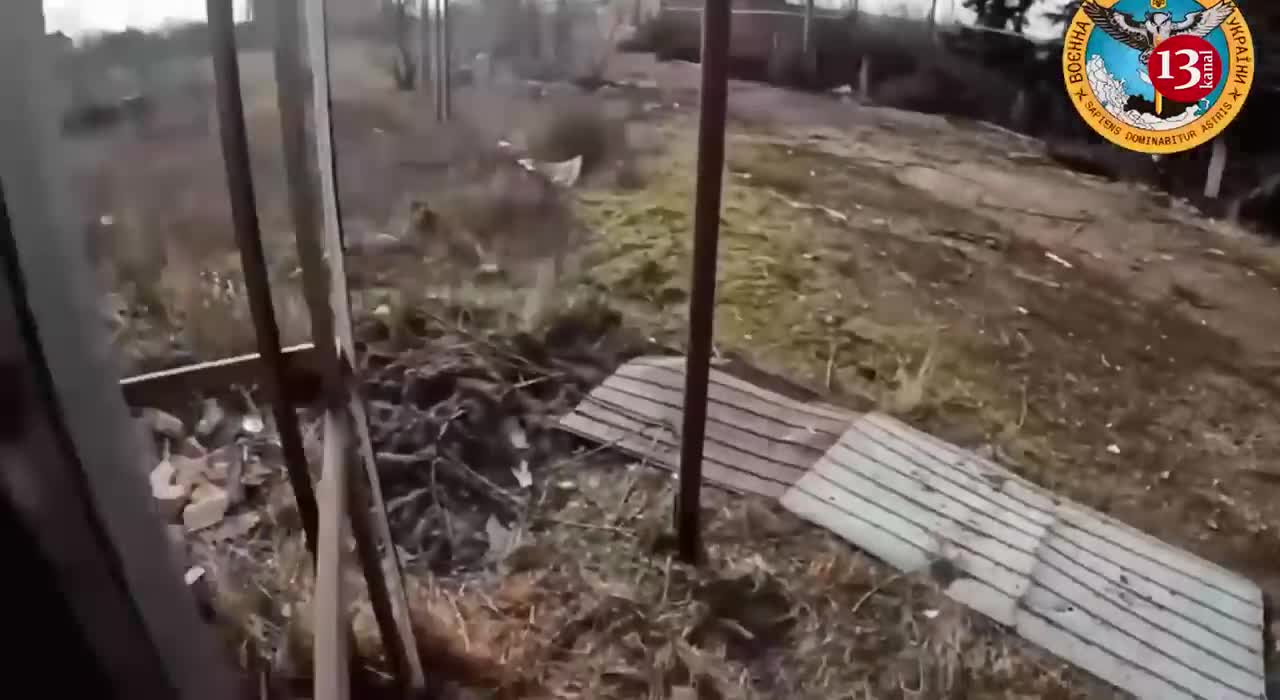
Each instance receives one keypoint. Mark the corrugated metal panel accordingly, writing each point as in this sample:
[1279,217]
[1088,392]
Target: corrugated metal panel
[1151,619]
[757,441]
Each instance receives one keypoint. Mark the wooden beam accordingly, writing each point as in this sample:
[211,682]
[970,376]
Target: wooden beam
[378,557]
[329,619]
[175,387]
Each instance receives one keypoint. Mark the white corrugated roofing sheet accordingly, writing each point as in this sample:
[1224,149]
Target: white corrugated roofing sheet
[1151,619]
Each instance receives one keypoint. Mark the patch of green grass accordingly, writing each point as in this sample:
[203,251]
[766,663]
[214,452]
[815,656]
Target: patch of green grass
[785,294]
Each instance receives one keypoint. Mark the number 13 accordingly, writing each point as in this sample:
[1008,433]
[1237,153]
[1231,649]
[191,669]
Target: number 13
[1190,66]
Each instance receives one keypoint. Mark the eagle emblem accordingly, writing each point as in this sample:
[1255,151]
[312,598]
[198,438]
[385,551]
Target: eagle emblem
[1145,34]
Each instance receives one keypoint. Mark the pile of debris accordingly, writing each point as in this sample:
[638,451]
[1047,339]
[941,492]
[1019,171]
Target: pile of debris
[204,476]
[461,420]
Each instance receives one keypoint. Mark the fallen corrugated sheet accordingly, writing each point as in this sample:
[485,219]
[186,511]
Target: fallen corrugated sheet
[1151,619]
[757,441]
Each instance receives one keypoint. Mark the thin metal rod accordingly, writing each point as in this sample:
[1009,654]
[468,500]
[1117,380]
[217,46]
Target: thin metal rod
[244,214]
[706,234]
[174,387]
[446,56]
[425,80]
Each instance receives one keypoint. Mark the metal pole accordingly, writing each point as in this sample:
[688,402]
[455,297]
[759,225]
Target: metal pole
[807,38]
[244,213]
[446,51]
[437,79]
[706,233]
[425,80]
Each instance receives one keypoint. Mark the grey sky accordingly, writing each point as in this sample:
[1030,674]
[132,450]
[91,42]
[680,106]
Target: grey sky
[76,17]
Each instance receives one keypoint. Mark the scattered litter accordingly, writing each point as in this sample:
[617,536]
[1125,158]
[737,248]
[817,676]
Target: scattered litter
[501,539]
[207,508]
[232,528]
[1113,449]
[1028,277]
[515,434]
[564,173]
[1058,259]
[842,90]
[931,614]
[1216,252]
[189,472]
[828,211]
[1023,310]
[163,424]
[253,471]
[382,311]
[193,574]
[165,486]
[503,143]
[106,219]
[212,417]
[523,476]
[252,424]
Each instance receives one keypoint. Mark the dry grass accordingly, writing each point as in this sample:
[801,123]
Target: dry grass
[592,604]
[790,295]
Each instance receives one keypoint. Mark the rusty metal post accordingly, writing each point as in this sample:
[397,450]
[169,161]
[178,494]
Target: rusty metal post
[806,41]
[702,297]
[425,81]
[244,213]
[446,59]
[443,46]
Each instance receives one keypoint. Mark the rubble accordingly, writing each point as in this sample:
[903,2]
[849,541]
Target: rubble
[163,424]
[169,494]
[207,507]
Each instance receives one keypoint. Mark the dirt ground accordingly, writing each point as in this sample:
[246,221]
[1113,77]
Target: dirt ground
[1067,313]
[1093,336]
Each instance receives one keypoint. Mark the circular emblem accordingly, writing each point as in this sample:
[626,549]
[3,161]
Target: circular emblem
[1158,76]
